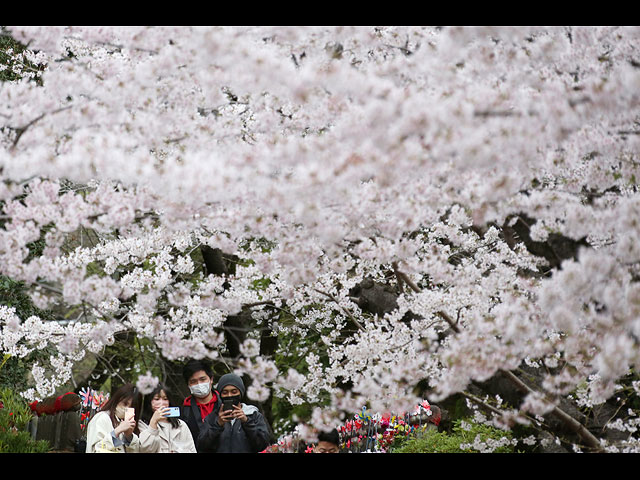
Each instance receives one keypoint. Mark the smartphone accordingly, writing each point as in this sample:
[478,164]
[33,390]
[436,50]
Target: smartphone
[173,412]
[129,413]
[227,404]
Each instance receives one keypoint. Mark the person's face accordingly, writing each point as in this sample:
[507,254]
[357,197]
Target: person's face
[121,407]
[325,447]
[159,400]
[229,391]
[199,377]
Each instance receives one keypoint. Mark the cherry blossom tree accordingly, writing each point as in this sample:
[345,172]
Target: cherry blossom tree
[487,176]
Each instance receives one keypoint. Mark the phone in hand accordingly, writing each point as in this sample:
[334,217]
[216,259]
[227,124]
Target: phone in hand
[227,404]
[129,413]
[173,412]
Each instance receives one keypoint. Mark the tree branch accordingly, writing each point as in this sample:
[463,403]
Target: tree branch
[587,437]
[20,130]
[346,312]
[575,426]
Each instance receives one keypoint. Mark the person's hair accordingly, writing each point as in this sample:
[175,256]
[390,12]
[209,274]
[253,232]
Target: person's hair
[125,392]
[331,436]
[193,366]
[147,410]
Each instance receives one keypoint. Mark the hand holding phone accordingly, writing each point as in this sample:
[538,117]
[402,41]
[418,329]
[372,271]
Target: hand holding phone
[128,424]
[239,414]
[227,404]
[226,413]
[129,414]
[172,412]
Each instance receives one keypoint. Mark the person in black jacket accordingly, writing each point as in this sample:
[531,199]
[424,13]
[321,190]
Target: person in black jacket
[203,401]
[236,427]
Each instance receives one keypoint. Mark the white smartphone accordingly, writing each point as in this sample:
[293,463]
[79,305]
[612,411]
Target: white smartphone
[129,413]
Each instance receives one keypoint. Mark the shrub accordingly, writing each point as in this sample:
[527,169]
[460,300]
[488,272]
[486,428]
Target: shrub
[15,415]
[21,442]
[466,436]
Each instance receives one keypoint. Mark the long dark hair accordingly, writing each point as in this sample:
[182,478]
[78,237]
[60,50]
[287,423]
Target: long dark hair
[125,392]
[147,410]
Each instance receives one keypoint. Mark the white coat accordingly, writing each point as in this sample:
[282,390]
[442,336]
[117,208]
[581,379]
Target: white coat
[100,437]
[166,438]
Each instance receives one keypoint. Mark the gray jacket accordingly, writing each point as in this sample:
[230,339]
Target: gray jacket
[253,436]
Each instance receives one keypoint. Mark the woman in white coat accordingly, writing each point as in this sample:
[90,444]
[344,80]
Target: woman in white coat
[159,433]
[111,430]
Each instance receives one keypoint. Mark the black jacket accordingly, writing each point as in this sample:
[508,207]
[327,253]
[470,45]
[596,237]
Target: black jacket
[253,436]
[192,417]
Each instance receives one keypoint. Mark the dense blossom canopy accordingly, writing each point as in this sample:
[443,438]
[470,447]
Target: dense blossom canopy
[326,156]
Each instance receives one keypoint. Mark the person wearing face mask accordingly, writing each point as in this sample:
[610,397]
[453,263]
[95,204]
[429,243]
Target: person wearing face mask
[203,401]
[159,433]
[236,427]
[110,431]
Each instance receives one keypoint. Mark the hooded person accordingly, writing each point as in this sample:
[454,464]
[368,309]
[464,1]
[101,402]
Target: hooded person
[236,427]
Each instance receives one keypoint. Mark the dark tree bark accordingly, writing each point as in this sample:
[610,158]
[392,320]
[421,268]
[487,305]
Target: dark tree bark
[555,249]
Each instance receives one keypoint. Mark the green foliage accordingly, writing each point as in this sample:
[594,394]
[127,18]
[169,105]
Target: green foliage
[13,294]
[260,284]
[14,412]
[14,372]
[21,442]
[14,65]
[287,416]
[463,432]
[15,415]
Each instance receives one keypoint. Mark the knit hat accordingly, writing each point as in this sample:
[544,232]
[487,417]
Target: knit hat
[231,379]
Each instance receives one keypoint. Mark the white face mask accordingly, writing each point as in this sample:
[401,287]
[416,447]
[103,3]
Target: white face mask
[200,389]
[120,410]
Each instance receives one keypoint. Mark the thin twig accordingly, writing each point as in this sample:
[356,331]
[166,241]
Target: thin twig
[399,277]
[409,282]
[20,130]
[351,317]
[480,402]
